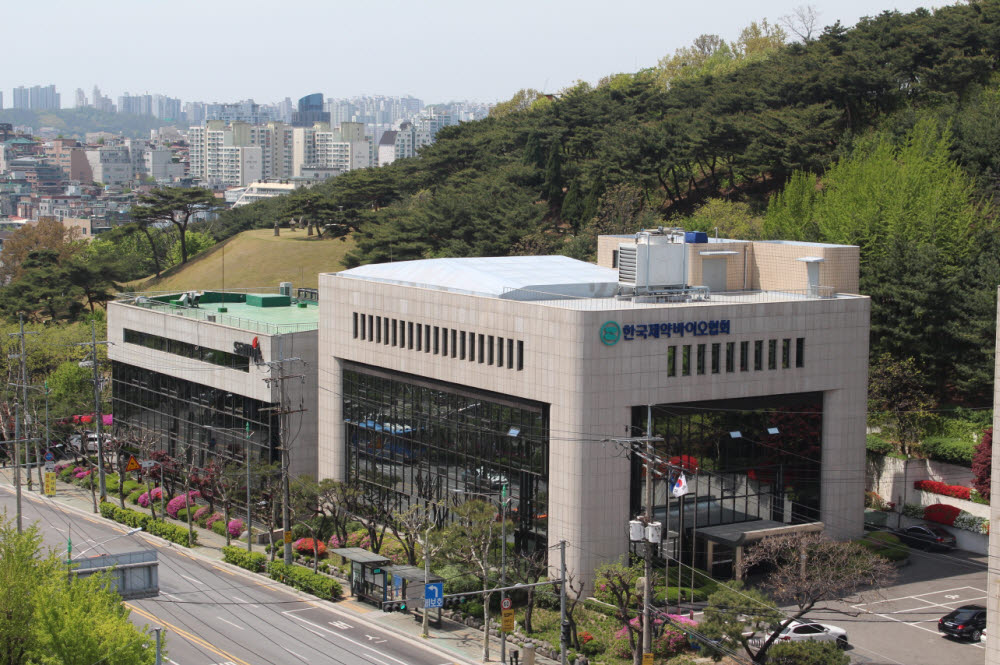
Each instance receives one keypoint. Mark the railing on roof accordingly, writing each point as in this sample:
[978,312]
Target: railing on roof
[146,301]
[700,296]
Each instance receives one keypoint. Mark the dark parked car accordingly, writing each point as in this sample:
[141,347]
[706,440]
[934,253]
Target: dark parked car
[926,536]
[967,622]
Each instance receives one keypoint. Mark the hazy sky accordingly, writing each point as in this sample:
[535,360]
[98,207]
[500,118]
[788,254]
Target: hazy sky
[437,50]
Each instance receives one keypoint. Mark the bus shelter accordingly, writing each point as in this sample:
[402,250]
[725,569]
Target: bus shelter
[368,574]
[408,585]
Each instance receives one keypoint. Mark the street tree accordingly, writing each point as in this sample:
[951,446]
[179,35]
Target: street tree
[226,479]
[470,540]
[265,496]
[176,206]
[982,464]
[736,615]
[48,234]
[311,509]
[618,583]
[812,569]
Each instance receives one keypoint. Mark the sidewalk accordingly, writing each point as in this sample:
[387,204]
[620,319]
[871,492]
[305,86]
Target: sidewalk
[452,638]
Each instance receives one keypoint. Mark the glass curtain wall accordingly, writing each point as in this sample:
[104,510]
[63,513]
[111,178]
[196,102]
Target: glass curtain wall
[421,441]
[191,421]
[755,459]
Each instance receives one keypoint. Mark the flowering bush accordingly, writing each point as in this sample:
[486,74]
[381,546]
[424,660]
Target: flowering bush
[235,528]
[181,501]
[305,546]
[359,539]
[81,473]
[213,519]
[60,467]
[970,522]
[144,499]
[876,502]
[200,513]
[585,637]
[156,493]
[936,487]
[672,641]
[335,542]
[941,513]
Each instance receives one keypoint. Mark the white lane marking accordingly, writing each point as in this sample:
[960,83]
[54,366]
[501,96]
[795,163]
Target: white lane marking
[230,623]
[170,596]
[914,625]
[294,654]
[341,625]
[191,579]
[344,637]
[244,600]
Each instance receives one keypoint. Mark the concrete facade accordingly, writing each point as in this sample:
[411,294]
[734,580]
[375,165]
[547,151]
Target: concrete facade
[993,576]
[591,387]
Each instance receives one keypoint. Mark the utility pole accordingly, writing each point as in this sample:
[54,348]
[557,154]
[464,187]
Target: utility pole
[17,460]
[563,645]
[283,411]
[648,455]
[249,514]
[23,385]
[97,408]
[503,565]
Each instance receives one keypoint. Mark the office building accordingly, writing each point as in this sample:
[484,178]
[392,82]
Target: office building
[749,359]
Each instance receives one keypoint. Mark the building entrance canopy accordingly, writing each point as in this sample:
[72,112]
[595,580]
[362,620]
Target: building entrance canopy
[743,533]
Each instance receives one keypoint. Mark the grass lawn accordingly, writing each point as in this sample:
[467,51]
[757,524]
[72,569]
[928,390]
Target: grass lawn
[255,258]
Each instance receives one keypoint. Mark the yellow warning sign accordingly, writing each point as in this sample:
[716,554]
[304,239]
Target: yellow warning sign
[288,536]
[50,483]
[133,464]
[647,659]
[507,621]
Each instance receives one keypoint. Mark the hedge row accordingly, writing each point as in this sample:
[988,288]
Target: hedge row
[943,489]
[252,561]
[133,518]
[304,580]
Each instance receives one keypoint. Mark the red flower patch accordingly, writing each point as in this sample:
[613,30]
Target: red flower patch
[941,513]
[936,487]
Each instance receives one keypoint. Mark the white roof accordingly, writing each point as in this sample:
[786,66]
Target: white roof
[507,277]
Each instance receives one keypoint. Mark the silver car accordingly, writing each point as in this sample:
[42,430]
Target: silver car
[810,631]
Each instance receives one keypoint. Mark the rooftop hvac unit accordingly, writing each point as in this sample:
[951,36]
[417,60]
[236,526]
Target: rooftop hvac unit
[285,288]
[656,261]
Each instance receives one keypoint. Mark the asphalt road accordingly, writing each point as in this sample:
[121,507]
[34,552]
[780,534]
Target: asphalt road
[899,625]
[214,616]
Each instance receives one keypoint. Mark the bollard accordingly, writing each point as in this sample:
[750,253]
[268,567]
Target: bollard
[513,657]
[529,654]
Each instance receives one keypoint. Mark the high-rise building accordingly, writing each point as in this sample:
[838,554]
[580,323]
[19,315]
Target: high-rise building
[81,99]
[43,98]
[246,111]
[21,100]
[310,111]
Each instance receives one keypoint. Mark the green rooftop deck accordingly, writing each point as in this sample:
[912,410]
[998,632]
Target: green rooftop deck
[253,311]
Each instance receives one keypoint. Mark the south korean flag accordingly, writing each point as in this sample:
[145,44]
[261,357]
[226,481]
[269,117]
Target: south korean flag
[680,486]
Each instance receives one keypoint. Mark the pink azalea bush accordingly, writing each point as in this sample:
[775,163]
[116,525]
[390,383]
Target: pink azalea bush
[81,473]
[62,467]
[672,642]
[335,542]
[157,492]
[182,501]
[235,528]
[144,499]
[213,519]
[201,512]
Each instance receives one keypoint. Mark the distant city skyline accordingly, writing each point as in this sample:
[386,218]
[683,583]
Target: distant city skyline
[438,51]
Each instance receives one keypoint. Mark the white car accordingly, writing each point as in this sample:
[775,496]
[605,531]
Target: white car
[810,631]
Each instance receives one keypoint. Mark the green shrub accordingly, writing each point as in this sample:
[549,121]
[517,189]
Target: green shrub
[949,449]
[324,566]
[304,580]
[473,608]
[133,518]
[252,561]
[976,497]
[886,545]
[793,653]
[876,444]
[219,527]
[133,497]
[66,475]
[131,486]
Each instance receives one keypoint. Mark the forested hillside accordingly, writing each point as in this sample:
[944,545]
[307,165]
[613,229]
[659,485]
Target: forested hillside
[886,135]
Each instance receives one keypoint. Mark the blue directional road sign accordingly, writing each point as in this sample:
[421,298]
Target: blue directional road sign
[49,457]
[434,595]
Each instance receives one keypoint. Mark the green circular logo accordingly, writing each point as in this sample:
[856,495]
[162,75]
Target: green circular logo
[610,332]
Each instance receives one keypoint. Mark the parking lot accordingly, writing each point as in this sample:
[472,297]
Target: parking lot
[899,626]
